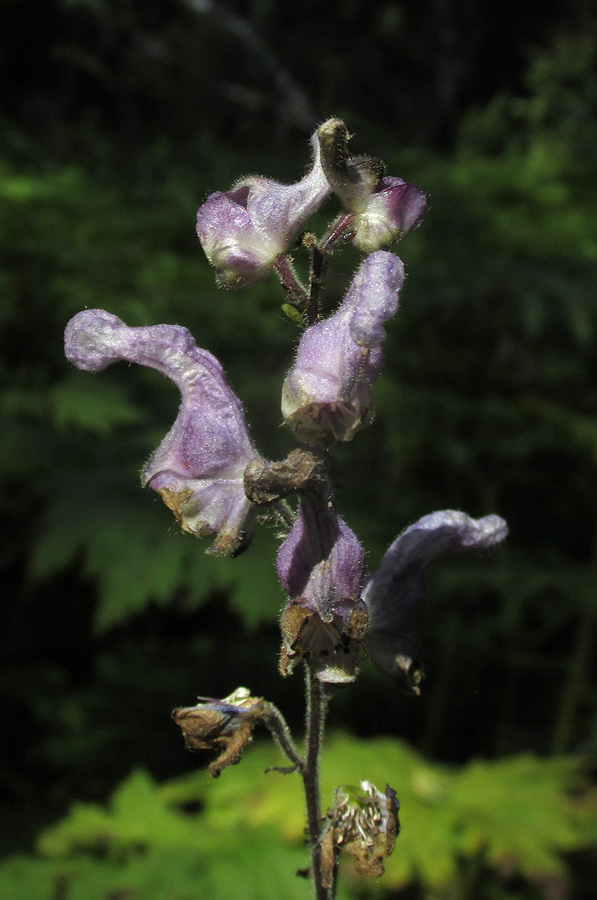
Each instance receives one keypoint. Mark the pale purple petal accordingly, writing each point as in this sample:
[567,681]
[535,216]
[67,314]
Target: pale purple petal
[395,591]
[393,209]
[243,230]
[198,468]
[326,395]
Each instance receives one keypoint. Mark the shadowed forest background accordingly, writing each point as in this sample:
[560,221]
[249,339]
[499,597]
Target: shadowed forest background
[118,118]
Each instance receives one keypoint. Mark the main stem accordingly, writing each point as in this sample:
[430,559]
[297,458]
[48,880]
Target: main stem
[316,710]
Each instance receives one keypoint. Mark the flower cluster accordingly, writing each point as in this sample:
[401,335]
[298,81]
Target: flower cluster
[207,468]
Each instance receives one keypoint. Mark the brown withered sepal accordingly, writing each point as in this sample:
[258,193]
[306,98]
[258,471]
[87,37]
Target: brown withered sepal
[224,725]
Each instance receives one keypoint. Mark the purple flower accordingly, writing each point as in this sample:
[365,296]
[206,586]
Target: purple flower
[243,230]
[321,567]
[198,468]
[395,591]
[390,211]
[382,208]
[326,395]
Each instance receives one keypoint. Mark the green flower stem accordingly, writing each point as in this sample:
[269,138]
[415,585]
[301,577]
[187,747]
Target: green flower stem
[276,723]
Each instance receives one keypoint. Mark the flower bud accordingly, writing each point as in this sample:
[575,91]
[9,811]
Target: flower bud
[224,725]
[383,208]
[321,567]
[243,230]
[326,395]
[392,210]
[199,466]
[395,591]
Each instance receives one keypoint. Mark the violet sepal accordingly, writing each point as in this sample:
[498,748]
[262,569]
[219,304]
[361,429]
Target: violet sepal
[243,230]
[199,466]
[395,591]
[321,568]
[326,394]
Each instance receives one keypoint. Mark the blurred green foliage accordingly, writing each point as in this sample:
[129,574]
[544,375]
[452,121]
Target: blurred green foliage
[191,837]
[121,118]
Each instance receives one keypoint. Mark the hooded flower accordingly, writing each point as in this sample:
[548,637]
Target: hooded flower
[382,208]
[243,230]
[326,395]
[198,468]
[395,591]
[321,567]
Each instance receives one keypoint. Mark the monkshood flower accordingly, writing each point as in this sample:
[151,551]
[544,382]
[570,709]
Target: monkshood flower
[245,229]
[321,567]
[198,468]
[326,395]
[394,592]
[380,208]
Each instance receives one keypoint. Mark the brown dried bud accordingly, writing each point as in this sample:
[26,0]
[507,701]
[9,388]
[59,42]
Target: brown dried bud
[365,823]
[303,470]
[333,649]
[223,725]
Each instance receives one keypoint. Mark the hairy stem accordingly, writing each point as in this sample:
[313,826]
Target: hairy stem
[297,293]
[319,265]
[316,710]
[276,723]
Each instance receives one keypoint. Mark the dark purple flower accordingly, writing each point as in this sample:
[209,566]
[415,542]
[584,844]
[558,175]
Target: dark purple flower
[395,591]
[243,230]
[198,468]
[326,395]
[321,566]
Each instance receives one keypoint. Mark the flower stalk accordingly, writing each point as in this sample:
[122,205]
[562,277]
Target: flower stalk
[209,472]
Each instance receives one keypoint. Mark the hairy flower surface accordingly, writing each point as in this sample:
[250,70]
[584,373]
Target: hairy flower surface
[199,466]
[321,567]
[395,591]
[326,395]
[383,208]
[243,230]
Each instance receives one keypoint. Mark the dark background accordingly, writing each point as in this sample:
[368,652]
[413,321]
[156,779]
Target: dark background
[118,118]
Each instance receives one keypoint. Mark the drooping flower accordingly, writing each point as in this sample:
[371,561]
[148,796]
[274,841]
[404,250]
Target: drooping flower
[321,567]
[382,208]
[394,592]
[198,468]
[243,230]
[326,395]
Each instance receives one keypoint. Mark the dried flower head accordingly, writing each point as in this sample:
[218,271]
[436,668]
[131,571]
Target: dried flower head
[365,823]
[224,725]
